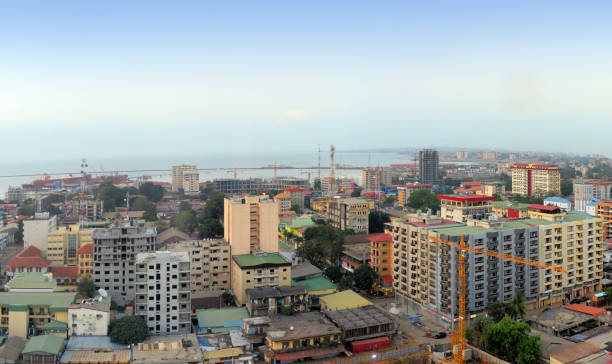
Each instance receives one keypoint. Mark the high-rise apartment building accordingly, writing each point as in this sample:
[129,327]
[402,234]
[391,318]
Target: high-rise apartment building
[35,230]
[603,210]
[297,196]
[115,250]
[536,179]
[489,156]
[586,192]
[373,178]
[462,154]
[429,166]
[210,263]
[87,208]
[350,213]
[63,243]
[250,224]
[163,295]
[186,177]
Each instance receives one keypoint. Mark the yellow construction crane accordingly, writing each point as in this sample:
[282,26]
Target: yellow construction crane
[458,336]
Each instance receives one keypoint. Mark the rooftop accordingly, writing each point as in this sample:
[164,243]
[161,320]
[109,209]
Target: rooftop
[92,342]
[303,270]
[589,310]
[221,317]
[543,208]
[223,353]
[279,291]
[65,272]
[358,238]
[300,327]
[85,249]
[260,260]
[38,281]
[315,284]
[167,256]
[535,166]
[173,349]
[93,356]
[58,301]
[206,299]
[28,257]
[377,238]
[12,348]
[466,198]
[44,344]
[343,300]
[301,222]
[575,352]
[359,317]
[282,196]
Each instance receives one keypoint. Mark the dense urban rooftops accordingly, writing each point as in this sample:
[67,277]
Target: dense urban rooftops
[59,301]
[466,198]
[44,344]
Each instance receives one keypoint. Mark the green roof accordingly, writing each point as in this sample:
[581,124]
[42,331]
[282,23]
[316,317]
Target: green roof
[285,247]
[315,284]
[250,260]
[32,281]
[301,222]
[510,205]
[57,301]
[55,326]
[222,317]
[343,300]
[46,344]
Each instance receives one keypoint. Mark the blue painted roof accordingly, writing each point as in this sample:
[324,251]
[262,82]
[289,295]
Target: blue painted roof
[556,199]
[92,342]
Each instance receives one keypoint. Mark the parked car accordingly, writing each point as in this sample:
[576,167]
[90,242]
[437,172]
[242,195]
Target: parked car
[440,335]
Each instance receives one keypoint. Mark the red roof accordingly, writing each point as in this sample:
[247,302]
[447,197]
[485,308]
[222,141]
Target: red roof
[589,310]
[381,237]
[598,183]
[382,339]
[471,183]
[308,353]
[85,249]
[535,166]
[28,257]
[387,279]
[293,189]
[65,272]
[543,207]
[466,198]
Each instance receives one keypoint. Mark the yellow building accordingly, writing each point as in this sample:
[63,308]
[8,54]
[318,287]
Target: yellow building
[25,314]
[320,204]
[63,243]
[261,270]
[381,261]
[85,260]
[250,224]
[342,300]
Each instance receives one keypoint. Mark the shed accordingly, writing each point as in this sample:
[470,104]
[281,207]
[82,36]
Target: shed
[43,348]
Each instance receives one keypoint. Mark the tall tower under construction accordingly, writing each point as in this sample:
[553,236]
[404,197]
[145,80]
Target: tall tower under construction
[429,166]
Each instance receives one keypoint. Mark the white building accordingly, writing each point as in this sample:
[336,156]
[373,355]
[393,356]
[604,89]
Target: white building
[186,177]
[89,318]
[585,192]
[163,296]
[35,230]
[560,202]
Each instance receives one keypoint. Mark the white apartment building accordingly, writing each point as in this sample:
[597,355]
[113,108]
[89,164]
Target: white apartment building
[186,177]
[163,296]
[90,317]
[35,230]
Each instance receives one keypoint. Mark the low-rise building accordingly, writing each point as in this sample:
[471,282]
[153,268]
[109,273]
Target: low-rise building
[95,356]
[85,260]
[222,320]
[31,283]
[315,288]
[381,254]
[43,349]
[342,300]
[297,196]
[560,202]
[10,350]
[460,208]
[350,213]
[362,323]
[259,270]
[28,260]
[492,188]
[90,317]
[509,209]
[209,263]
[273,300]
[67,278]
[405,191]
[284,201]
[35,230]
[354,255]
[171,349]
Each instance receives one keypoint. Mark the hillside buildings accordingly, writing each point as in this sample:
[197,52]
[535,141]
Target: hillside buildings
[429,166]
[115,250]
[349,213]
[35,230]
[373,178]
[63,244]
[163,293]
[186,177]
[209,263]
[536,179]
[250,224]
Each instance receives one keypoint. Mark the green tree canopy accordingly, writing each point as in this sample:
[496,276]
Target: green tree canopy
[214,206]
[184,206]
[423,199]
[516,307]
[334,273]
[210,228]
[322,243]
[153,192]
[377,220]
[142,204]
[111,195]
[364,277]
[185,221]
[567,188]
[86,288]
[497,311]
[26,210]
[510,341]
[346,282]
[356,192]
[129,330]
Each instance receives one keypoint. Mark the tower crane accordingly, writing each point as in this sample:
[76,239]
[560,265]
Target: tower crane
[458,338]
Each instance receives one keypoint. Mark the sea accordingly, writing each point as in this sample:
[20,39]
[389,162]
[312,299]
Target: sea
[211,166]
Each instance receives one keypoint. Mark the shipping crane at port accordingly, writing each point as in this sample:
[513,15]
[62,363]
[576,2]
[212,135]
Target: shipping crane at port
[458,336]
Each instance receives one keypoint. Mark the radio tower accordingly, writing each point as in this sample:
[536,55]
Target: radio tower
[332,171]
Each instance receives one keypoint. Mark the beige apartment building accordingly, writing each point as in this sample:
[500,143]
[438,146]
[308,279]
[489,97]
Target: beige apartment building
[536,179]
[350,213]
[493,188]
[250,224]
[210,263]
[460,208]
[375,177]
[63,243]
[186,177]
[258,270]
[284,201]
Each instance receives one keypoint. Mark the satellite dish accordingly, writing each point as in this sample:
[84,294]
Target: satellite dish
[102,292]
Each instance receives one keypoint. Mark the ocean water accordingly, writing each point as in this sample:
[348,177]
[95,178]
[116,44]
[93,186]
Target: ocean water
[159,168]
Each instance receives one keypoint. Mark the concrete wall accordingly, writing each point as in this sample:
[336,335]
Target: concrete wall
[87,322]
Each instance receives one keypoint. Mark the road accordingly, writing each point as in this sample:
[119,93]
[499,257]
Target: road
[10,252]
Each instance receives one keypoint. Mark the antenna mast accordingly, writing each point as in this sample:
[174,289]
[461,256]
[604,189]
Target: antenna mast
[332,171]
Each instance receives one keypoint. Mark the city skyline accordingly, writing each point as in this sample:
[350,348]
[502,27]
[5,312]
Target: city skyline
[149,79]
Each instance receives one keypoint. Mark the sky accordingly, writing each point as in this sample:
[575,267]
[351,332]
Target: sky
[118,79]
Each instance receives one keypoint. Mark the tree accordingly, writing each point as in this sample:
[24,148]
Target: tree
[111,195]
[210,228]
[509,340]
[364,277]
[185,221]
[497,311]
[334,273]
[296,208]
[26,210]
[129,330]
[19,233]
[608,295]
[214,206]
[423,199]
[356,192]
[377,220]
[142,204]
[153,192]
[322,243]
[86,288]
[497,197]
[287,310]
[478,326]
[516,307]
[184,206]
[228,298]
[346,282]
[317,185]
[567,187]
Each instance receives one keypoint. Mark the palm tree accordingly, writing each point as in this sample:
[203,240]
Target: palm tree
[516,307]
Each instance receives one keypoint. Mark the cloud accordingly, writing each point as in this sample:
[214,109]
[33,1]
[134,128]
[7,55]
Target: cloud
[291,116]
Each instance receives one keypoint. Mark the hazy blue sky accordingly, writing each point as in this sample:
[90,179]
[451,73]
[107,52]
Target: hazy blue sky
[110,78]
